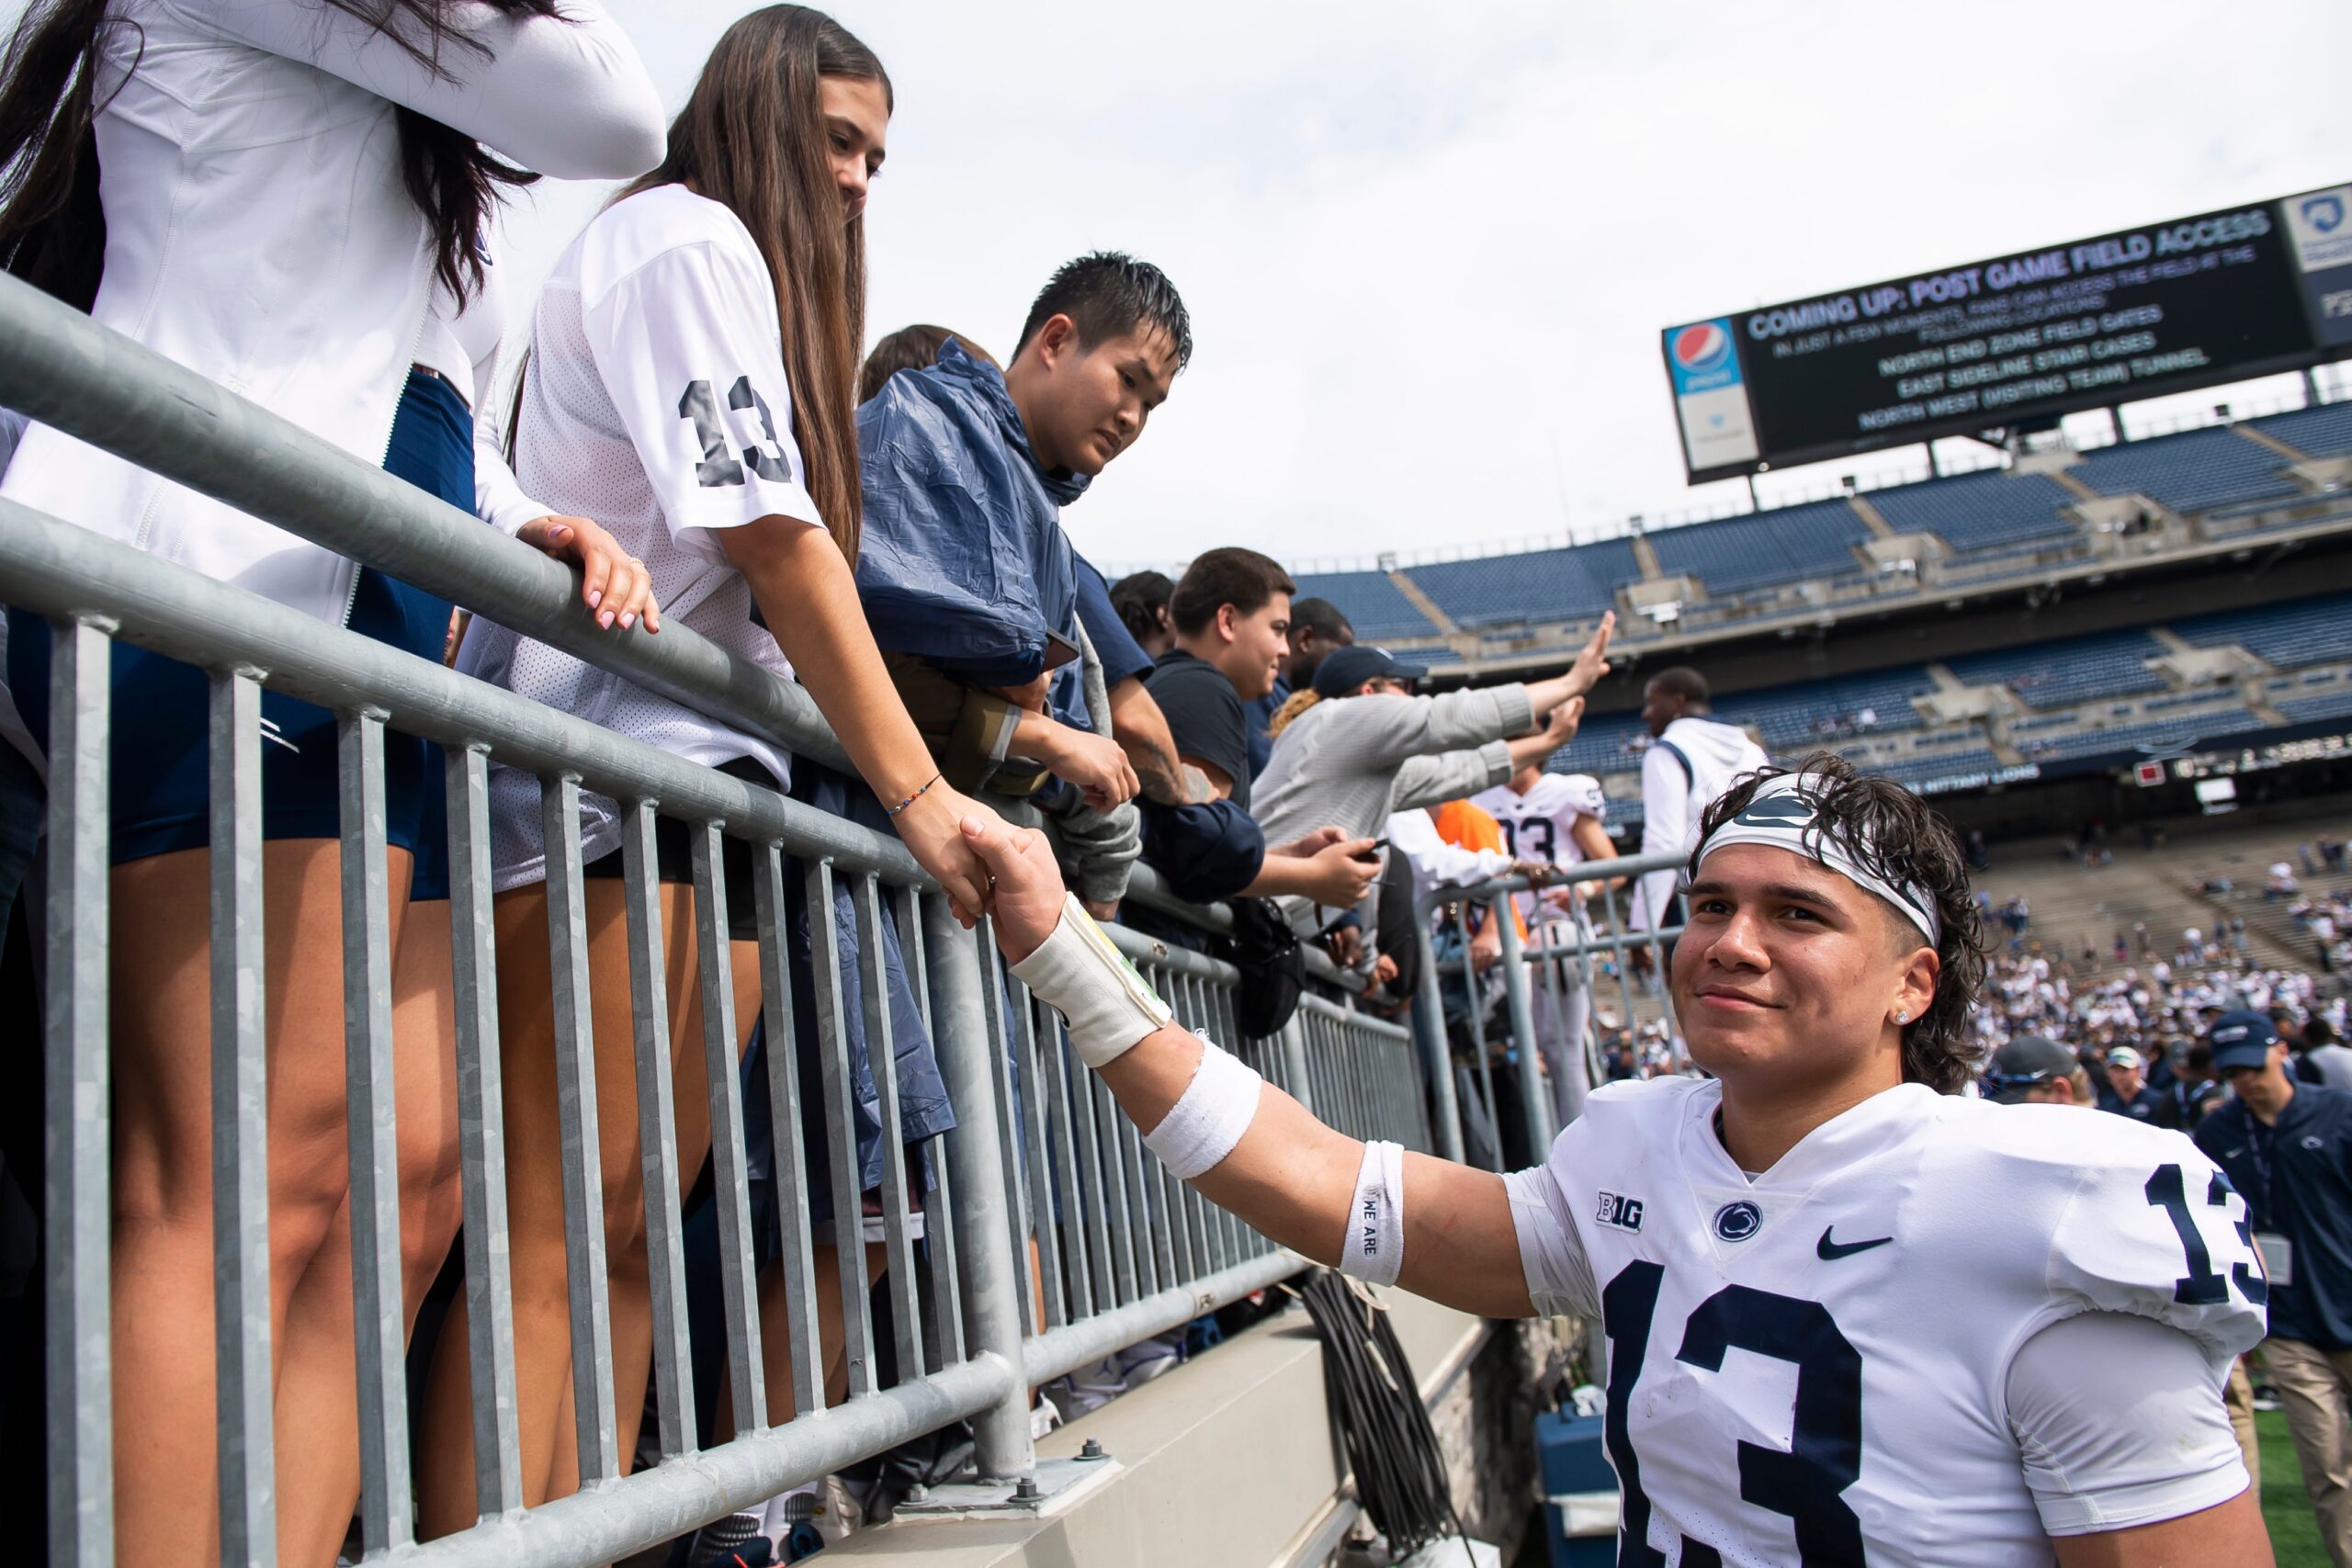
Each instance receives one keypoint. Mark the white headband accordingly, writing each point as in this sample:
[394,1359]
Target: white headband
[1782,814]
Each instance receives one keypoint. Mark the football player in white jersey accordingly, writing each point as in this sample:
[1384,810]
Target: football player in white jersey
[1852,1316]
[1556,818]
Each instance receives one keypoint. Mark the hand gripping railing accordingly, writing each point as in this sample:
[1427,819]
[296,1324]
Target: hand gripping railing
[1050,1237]
[1578,947]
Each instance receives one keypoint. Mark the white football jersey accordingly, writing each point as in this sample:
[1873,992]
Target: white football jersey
[1815,1366]
[1541,824]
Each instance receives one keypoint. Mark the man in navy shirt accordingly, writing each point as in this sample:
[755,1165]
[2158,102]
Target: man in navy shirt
[2128,1093]
[2287,1147]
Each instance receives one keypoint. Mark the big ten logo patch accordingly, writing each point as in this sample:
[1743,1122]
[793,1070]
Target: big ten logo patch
[1624,1213]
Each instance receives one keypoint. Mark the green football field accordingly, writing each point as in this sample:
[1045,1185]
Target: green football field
[2288,1512]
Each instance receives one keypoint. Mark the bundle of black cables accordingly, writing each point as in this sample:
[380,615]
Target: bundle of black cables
[1375,1403]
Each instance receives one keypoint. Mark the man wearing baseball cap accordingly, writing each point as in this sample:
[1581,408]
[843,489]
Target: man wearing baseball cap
[2033,1070]
[2287,1147]
[2128,1093]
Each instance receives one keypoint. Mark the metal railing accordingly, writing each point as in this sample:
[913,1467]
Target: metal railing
[1578,950]
[1041,1158]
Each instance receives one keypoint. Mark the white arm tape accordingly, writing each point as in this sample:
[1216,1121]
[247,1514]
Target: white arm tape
[1080,975]
[1214,1110]
[1373,1248]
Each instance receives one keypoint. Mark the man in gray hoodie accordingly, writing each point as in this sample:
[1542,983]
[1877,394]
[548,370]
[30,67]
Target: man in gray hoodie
[1693,760]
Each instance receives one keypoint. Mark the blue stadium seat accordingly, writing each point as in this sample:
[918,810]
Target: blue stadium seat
[1796,719]
[1604,743]
[1939,764]
[2321,432]
[2299,632]
[2329,704]
[2073,669]
[2155,734]
[1766,548]
[2189,472]
[1979,512]
[1535,585]
[1373,604]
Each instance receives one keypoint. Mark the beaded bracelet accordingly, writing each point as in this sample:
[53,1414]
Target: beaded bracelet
[894,810]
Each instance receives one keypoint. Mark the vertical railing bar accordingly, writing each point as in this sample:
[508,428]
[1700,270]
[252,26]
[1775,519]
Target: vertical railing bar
[240,1310]
[1046,1228]
[1474,988]
[1429,1041]
[78,1207]
[1109,1120]
[380,1321]
[657,1127]
[1080,1085]
[840,1130]
[881,1061]
[945,1345]
[1054,1079]
[1002,1035]
[594,1432]
[794,1265]
[1620,960]
[1141,1211]
[731,1181]
[481,1136]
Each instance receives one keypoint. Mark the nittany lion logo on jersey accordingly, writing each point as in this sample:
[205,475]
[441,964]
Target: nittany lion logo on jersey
[1737,1222]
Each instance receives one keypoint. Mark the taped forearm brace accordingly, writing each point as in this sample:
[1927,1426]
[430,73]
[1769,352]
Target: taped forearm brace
[1216,1109]
[1373,1247]
[1080,975]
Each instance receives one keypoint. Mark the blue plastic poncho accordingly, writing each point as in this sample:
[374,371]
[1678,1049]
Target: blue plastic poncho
[963,560]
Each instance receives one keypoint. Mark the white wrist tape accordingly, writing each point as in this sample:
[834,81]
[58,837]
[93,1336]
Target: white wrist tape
[1216,1109]
[1080,975]
[1373,1247]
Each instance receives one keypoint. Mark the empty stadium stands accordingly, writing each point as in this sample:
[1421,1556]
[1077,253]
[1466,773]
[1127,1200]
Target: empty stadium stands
[1539,585]
[2158,736]
[1767,547]
[2188,473]
[1374,605]
[2299,632]
[1816,711]
[2321,432]
[2073,669]
[1980,512]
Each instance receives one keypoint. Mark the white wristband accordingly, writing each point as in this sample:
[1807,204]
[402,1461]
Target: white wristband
[1373,1247]
[1215,1109]
[1080,975]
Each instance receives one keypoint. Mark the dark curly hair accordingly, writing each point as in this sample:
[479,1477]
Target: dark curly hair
[1902,840]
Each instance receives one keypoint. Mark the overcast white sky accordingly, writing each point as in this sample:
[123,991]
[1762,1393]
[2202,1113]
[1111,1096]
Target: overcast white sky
[1429,248]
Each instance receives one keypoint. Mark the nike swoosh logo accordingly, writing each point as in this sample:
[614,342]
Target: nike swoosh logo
[1831,1251]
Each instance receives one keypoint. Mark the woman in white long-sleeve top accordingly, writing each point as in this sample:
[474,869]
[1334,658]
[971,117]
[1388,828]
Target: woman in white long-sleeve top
[272,192]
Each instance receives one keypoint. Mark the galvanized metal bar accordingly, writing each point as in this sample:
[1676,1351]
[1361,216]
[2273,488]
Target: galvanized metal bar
[881,1061]
[387,1509]
[1153,1269]
[481,1136]
[1039,1184]
[731,1181]
[1063,1351]
[240,1310]
[1623,968]
[841,1131]
[794,1265]
[657,1128]
[1054,1078]
[1109,1118]
[945,1345]
[1520,1003]
[581,1154]
[1003,1035]
[1001,1440]
[1437,1061]
[1080,1085]
[1294,1061]
[78,1206]
[1474,988]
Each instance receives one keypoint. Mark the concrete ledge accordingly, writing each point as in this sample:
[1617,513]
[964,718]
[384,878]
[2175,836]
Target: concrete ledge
[1227,1460]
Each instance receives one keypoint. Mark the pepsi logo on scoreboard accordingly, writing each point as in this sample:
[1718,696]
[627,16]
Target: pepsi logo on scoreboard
[1701,357]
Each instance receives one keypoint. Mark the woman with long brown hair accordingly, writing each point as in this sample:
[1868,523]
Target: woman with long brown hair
[274,193]
[692,381]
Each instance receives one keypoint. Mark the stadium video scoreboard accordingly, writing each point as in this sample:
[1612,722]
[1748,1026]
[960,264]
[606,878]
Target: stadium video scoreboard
[2168,308]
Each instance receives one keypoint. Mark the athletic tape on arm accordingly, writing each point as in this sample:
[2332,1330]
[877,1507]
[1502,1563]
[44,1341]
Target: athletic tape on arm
[1373,1247]
[1080,975]
[1214,1110]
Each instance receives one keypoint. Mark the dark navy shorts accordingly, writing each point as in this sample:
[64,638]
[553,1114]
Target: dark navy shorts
[160,786]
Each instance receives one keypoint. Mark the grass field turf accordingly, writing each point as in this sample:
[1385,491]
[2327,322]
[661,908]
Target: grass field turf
[2294,1536]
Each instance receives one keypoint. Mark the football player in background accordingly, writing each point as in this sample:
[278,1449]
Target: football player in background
[2006,1328]
[1556,819]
